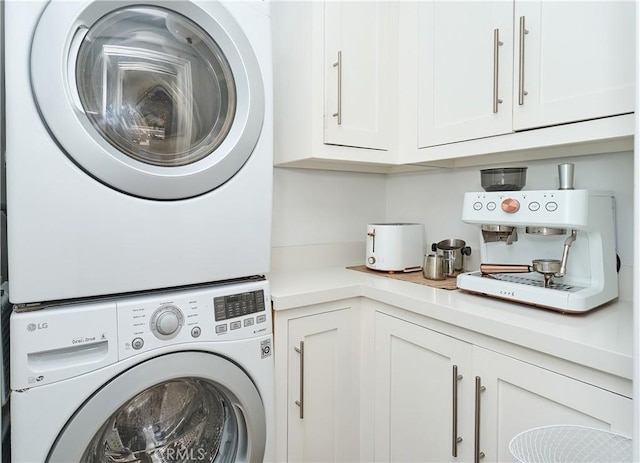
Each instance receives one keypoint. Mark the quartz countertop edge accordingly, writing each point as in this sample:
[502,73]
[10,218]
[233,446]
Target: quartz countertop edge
[601,339]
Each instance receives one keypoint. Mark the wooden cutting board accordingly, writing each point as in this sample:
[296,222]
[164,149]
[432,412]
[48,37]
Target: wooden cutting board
[413,277]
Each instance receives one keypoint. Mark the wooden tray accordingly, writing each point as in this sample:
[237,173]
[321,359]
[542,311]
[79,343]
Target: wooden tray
[413,277]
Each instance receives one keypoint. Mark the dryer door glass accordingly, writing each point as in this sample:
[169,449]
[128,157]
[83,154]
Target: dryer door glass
[186,419]
[156,86]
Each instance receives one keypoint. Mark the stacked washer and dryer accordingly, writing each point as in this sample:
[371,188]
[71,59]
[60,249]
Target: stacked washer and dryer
[139,178]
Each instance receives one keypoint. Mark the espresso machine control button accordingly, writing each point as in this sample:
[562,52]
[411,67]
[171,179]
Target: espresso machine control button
[510,205]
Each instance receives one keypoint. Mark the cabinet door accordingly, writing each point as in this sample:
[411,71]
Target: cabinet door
[359,69]
[465,57]
[414,393]
[521,396]
[578,61]
[322,384]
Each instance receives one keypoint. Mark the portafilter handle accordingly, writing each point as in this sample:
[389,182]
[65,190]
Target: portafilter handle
[487,269]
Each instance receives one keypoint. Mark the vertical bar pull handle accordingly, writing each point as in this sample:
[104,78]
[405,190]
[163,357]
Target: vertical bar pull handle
[300,403]
[496,51]
[455,440]
[477,454]
[521,91]
[338,65]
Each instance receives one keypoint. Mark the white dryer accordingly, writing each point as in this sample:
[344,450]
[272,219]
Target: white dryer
[182,376]
[138,145]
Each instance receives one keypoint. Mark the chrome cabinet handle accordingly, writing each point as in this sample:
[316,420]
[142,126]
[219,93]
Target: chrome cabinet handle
[300,403]
[521,91]
[477,454]
[496,51]
[454,432]
[338,64]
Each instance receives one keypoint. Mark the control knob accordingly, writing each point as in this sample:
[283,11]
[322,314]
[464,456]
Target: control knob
[510,205]
[166,321]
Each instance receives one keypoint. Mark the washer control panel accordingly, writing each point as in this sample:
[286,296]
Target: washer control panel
[217,313]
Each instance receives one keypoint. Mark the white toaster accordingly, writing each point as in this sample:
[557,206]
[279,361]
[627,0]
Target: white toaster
[395,247]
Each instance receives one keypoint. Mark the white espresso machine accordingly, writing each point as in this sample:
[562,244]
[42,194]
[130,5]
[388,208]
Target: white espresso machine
[553,249]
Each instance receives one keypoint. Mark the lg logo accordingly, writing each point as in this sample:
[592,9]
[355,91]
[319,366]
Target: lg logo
[31,327]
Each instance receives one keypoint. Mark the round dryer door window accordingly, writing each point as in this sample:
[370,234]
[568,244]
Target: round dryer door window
[163,100]
[156,86]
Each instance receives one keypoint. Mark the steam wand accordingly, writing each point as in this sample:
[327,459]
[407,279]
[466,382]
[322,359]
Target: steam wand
[565,253]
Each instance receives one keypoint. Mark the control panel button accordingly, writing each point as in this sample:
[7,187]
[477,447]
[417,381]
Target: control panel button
[491,206]
[371,260]
[236,325]
[221,328]
[196,332]
[137,343]
[551,206]
[248,322]
[534,206]
[510,205]
[477,205]
[261,318]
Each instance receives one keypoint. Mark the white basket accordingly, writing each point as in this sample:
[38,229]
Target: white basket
[570,444]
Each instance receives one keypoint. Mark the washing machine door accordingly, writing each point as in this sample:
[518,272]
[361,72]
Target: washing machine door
[181,407]
[162,100]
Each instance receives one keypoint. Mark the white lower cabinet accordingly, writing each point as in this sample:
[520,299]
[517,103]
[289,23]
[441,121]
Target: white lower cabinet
[358,380]
[415,391]
[317,382]
[519,396]
[439,398]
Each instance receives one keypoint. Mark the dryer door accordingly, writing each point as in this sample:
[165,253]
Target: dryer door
[181,407]
[163,100]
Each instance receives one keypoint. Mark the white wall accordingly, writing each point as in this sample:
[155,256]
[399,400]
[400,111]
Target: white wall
[320,217]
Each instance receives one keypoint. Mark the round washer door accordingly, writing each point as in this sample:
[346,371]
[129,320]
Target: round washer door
[162,100]
[180,407]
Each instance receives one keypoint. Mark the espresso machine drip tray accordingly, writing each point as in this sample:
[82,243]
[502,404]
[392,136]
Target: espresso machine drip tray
[530,282]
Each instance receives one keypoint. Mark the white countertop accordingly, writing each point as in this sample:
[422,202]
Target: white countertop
[601,339]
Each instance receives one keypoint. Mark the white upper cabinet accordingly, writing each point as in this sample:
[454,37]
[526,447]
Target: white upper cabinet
[574,61]
[492,68]
[335,84]
[380,86]
[358,66]
[465,57]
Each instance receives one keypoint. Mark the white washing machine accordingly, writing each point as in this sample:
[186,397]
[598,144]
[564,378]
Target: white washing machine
[179,376]
[138,145]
